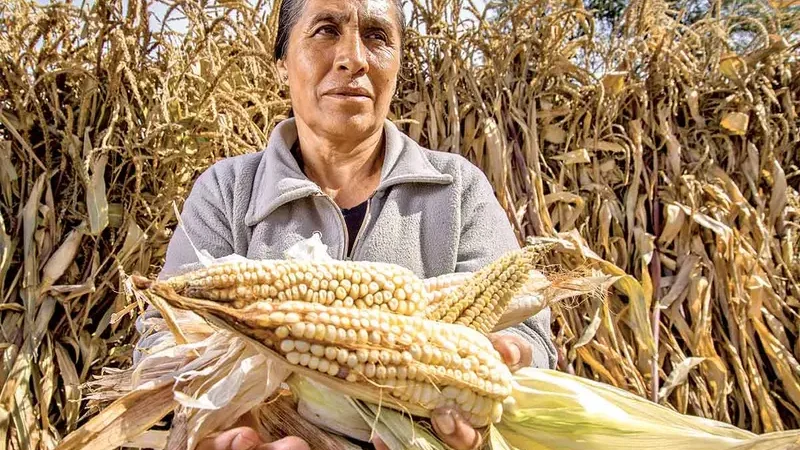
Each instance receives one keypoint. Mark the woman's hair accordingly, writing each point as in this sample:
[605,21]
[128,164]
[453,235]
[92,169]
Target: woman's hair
[290,12]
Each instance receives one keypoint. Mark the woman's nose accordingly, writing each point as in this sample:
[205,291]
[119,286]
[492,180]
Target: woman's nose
[351,53]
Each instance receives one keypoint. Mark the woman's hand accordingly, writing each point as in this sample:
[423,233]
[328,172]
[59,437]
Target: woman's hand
[449,426]
[245,437]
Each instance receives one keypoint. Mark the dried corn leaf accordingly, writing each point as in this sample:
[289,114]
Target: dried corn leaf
[777,201]
[497,155]
[70,386]
[614,82]
[123,421]
[64,256]
[580,156]
[732,66]
[673,223]
[6,251]
[554,134]
[735,122]
[591,330]
[605,146]
[678,376]
[96,200]
[784,3]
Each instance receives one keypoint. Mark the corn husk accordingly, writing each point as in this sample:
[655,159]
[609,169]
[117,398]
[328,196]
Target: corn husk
[322,406]
[551,410]
[283,416]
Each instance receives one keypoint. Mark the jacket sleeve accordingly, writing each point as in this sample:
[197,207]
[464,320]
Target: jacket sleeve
[205,226]
[486,235]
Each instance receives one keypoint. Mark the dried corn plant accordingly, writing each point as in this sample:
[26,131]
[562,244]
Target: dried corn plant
[675,162]
[105,120]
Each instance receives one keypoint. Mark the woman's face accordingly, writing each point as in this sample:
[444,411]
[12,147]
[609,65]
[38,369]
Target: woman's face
[341,65]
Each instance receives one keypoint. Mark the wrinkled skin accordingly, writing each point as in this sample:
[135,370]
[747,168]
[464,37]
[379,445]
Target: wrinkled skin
[338,45]
[341,67]
[448,425]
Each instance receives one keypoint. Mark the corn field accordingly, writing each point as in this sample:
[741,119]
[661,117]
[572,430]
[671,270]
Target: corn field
[668,150]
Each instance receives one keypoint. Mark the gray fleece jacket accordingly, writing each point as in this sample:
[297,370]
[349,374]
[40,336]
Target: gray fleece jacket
[433,213]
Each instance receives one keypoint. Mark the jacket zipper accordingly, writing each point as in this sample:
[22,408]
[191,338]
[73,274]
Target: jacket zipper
[361,229]
[343,251]
[343,254]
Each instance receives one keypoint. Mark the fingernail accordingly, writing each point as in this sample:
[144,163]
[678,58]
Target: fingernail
[514,353]
[445,422]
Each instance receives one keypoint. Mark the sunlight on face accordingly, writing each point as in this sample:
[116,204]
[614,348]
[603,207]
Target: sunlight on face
[342,63]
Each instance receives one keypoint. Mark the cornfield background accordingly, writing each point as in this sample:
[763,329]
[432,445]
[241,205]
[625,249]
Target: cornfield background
[667,149]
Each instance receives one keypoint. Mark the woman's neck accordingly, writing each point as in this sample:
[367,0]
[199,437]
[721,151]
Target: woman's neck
[347,171]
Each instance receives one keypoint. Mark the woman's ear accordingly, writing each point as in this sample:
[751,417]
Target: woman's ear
[283,72]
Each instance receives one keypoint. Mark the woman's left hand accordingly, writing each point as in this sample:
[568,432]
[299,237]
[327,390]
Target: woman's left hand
[449,426]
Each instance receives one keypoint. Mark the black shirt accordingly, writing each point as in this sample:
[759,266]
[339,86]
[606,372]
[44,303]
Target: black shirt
[353,217]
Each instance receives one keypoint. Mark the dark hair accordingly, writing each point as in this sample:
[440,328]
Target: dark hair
[290,12]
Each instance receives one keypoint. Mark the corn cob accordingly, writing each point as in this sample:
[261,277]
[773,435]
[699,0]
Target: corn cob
[386,287]
[480,302]
[438,288]
[419,363]
[446,281]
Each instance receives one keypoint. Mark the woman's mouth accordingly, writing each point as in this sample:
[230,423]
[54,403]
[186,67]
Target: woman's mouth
[350,94]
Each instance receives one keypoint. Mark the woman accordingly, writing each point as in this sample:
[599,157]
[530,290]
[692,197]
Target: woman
[338,167]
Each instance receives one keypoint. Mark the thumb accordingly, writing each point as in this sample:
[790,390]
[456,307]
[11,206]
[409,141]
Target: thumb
[287,443]
[515,351]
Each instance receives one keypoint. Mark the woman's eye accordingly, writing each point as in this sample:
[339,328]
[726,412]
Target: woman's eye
[379,35]
[329,30]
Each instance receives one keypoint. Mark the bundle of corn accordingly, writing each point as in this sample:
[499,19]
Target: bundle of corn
[310,323]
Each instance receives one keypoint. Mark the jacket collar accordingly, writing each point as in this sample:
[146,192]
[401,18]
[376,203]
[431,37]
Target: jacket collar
[279,179]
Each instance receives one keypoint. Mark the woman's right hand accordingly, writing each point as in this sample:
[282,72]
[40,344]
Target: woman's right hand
[246,438]
[243,436]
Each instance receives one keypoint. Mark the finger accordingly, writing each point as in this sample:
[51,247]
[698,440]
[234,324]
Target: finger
[455,431]
[379,445]
[515,351]
[287,443]
[242,438]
